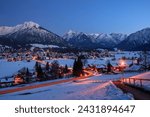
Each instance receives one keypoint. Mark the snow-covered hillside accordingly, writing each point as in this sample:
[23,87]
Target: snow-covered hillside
[9,30]
[139,40]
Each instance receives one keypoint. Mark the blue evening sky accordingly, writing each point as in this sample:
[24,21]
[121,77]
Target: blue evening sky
[90,16]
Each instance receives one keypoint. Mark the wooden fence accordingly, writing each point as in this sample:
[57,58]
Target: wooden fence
[132,81]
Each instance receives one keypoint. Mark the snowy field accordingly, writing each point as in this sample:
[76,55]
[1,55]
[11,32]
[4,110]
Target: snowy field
[98,87]
[44,46]
[69,62]
[127,54]
[10,68]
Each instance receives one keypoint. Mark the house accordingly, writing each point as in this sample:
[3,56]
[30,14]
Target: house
[134,68]
[19,79]
[101,68]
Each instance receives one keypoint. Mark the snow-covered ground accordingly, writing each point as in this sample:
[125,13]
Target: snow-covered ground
[63,62]
[104,61]
[145,75]
[127,54]
[70,62]
[10,68]
[44,46]
[93,88]
[97,87]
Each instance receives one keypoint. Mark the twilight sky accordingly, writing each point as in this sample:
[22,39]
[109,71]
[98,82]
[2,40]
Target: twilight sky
[90,16]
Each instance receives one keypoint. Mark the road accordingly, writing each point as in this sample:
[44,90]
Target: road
[45,84]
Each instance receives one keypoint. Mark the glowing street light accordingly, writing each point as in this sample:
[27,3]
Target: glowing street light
[122,63]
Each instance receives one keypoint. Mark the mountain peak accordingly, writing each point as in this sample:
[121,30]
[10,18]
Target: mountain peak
[26,25]
[29,33]
[71,32]
[148,28]
[31,24]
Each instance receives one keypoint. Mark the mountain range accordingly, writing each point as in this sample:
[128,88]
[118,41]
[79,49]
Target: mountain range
[102,40]
[29,33]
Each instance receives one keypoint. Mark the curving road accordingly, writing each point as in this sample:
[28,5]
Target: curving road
[45,84]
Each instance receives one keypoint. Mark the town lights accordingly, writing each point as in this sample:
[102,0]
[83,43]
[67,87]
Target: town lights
[122,63]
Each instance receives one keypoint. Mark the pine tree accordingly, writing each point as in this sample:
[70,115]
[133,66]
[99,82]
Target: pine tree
[47,66]
[78,67]
[27,76]
[109,67]
[75,67]
[66,69]
[27,72]
[40,73]
[36,66]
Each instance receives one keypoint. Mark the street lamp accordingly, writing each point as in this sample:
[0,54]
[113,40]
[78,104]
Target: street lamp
[122,65]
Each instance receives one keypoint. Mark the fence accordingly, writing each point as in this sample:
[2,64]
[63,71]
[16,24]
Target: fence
[135,81]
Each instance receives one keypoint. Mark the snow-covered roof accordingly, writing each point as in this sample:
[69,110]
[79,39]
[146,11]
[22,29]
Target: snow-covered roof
[133,68]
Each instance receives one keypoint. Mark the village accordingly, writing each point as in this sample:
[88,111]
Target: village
[49,65]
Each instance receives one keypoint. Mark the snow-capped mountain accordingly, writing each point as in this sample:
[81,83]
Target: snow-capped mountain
[28,33]
[139,40]
[9,30]
[114,38]
[78,39]
[101,40]
[70,34]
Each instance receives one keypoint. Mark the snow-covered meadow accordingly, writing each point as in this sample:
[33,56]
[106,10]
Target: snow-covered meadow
[11,68]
